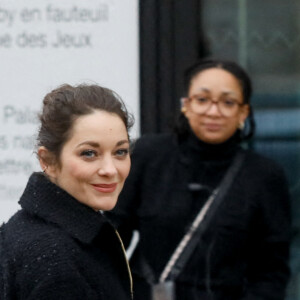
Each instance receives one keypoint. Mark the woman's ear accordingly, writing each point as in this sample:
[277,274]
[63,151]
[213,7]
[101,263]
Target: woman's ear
[47,161]
[244,113]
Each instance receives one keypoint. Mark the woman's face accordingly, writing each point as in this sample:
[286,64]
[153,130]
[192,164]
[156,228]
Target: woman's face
[220,120]
[95,161]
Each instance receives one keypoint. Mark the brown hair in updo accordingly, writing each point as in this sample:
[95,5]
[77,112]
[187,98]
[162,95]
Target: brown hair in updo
[62,106]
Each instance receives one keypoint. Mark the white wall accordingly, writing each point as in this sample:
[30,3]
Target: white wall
[44,44]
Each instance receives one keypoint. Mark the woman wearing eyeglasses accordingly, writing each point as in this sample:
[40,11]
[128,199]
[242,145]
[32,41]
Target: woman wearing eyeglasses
[243,249]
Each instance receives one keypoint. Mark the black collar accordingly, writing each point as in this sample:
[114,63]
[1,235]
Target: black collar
[49,202]
[192,148]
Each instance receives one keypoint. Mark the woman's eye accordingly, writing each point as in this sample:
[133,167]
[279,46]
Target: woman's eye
[229,102]
[202,99]
[122,152]
[88,153]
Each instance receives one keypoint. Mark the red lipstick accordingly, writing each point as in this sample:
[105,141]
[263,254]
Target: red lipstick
[105,188]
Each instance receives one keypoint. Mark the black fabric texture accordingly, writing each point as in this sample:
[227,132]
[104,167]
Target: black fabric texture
[243,254]
[58,248]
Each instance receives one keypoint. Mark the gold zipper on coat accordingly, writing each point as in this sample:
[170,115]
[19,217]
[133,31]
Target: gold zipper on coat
[127,263]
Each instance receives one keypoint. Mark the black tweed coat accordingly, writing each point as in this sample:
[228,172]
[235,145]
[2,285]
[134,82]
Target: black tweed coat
[57,248]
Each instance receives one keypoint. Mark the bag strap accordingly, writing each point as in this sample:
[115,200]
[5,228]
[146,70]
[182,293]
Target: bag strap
[190,240]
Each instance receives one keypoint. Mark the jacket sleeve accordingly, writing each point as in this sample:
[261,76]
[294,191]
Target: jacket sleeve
[42,273]
[268,265]
[67,285]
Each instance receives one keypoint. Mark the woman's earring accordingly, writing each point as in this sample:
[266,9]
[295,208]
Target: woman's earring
[183,102]
[45,168]
[241,125]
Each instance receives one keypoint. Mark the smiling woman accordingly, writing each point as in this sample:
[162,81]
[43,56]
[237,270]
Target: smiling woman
[65,247]
[215,107]
[240,249]
[94,161]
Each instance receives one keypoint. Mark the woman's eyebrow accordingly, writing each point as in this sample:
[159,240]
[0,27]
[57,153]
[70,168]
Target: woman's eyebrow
[89,143]
[229,93]
[122,142]
[223,93]
[203,89]
[97,145]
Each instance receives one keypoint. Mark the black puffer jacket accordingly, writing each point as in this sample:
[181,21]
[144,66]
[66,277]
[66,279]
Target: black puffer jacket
[243,254]
[57,248]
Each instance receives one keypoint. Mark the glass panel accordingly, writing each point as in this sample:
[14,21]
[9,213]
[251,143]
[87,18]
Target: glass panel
[264,37]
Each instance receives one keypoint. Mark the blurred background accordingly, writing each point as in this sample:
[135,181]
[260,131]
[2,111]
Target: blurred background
[264,37]
[140,49]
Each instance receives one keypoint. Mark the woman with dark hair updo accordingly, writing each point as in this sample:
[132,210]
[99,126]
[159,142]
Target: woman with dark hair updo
[213,218]
[60,245]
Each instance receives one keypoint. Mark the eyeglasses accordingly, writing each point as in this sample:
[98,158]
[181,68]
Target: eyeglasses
[227,106]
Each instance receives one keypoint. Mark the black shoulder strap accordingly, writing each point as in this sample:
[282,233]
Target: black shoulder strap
[189,242]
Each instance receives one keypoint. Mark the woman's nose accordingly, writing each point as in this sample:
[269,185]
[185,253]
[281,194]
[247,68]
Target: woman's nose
[107,167]
[214,109]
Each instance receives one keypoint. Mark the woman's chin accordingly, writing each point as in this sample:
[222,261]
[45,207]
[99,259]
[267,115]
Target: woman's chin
[106,206]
